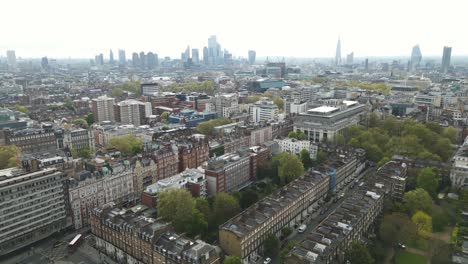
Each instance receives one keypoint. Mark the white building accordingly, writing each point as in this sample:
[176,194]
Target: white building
[91,191]
[294,146]
[263,110]
[226,104]
[459,171]
[183,180]
[324,122]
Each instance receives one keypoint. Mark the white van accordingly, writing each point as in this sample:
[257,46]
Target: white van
[302,228]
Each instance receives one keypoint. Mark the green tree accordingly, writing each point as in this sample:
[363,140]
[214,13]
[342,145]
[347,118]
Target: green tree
[305,158]
[225,206]
[232,260]
[204,208]
[117,92]
[74,153]
[271,245]
[85,153]
[81,123]
[358,254]
[289,167]
[165,116]
[207,127]
[252,99]
[439,221]
[247,198]
[417,200]
[197,224]
[176,206]
[321,157]
[374,120]
[90,118]
[451,134]
[132,87]
[285,232]
[339,139]
[383,161]
[9,156]
[22,109]
[423,223]
[127,145]
[279,102]
[428,180]
[396,227]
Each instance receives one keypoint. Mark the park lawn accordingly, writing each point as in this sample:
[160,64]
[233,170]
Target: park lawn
[405,257]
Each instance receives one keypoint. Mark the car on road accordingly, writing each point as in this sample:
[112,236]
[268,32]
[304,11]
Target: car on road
[302,228]
[267,260]
[341,195]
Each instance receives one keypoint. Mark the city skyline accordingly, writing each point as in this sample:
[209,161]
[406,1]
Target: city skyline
[308,33]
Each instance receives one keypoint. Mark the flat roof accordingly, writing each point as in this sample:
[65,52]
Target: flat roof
[323,109]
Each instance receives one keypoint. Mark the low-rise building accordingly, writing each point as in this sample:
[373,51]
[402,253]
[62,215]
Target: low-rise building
[78,139]
[294,146]
[244,234]
[135,236]
[459,172]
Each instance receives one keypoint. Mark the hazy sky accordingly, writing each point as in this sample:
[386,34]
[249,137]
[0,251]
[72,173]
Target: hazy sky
[308,28]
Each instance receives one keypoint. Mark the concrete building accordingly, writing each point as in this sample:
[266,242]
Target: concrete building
[324,122]
[33,140]
[134,236]
[193,180]
[78,139]
[263,111]
[294,107]
[226,104]
[447,54]
[144,174]
[32,206]
[244,234]
[89,190]
[259,135]
[103,108]
[132,112]
[294,146]
[229,172]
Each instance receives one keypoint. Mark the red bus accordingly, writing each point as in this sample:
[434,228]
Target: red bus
[75,243]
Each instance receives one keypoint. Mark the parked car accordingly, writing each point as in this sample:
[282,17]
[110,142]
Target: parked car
[267,260]
[302,228]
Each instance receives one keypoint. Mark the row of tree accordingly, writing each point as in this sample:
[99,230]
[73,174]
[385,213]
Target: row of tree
[207,127]
[383,139]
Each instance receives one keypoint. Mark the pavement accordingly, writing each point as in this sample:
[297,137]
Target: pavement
[55,250]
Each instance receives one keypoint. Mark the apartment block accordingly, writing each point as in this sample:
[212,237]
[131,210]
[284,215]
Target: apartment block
[78,139]
[294,146]
[32,206]
[103,109]
[244,234]
[134,236]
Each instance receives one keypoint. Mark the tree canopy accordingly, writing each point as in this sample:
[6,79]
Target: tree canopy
[428,179]
[81,123]
[396,227]
[289,167]
[232,260]
[225,206]
[299,135]
[358,254]
[383,139]
[8,156]
[90,119]
[423,223]
[417,200]
[207,87]
[271,245]
[305,158]
[22,109]
[207,127]
[127,145]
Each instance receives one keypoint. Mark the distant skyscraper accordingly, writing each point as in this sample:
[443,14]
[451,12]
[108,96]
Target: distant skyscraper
[446,58]
[338,53]
[99,59]
[45,63]
[151,61]
[11,57]
[135,60]
[205,56]
[366,64]
[195,56]
[215,55]
[187,54]
[416,57]
[252,55]
[122,58]
[350,58]
[111,57]
[142,60]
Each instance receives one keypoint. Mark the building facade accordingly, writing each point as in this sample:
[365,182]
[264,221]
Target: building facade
[32,206]
[294,146]
[103,109]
